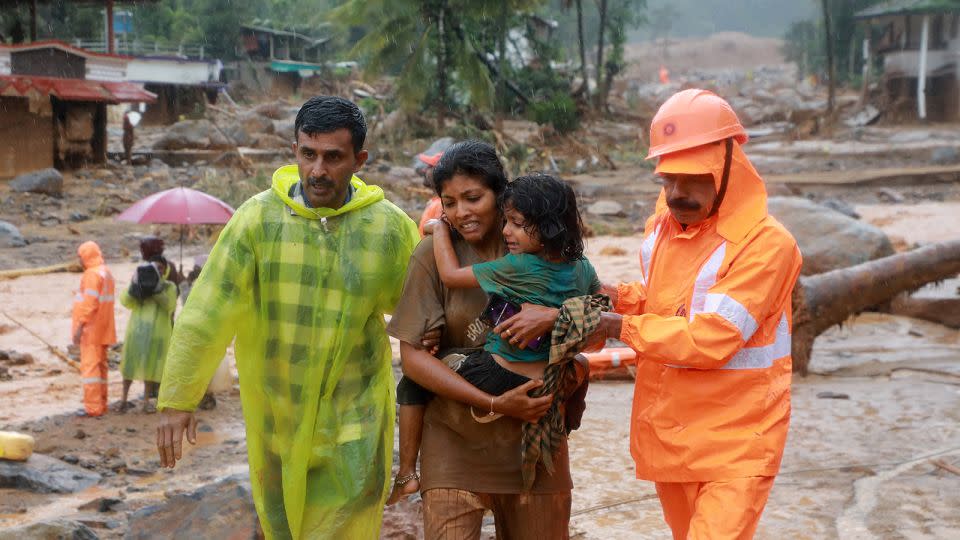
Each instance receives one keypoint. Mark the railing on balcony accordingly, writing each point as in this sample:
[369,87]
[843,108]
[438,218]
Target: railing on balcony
[143,48]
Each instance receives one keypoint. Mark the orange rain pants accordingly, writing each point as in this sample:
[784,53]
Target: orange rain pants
[719,510]
[93,372]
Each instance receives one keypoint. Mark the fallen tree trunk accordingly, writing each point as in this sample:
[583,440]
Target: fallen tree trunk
[63,267]
[828,299]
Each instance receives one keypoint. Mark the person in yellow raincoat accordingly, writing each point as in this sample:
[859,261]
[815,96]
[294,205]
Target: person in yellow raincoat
[710,320]
[148,332]
[302,276]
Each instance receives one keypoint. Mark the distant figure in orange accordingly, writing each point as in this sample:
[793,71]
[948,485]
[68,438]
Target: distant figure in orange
[93,327]
[664,75]
[434,209]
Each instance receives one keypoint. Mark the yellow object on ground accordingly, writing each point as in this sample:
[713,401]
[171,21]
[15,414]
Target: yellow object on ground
[15,446]
[304,291]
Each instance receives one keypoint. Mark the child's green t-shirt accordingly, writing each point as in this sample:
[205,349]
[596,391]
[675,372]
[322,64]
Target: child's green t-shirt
[525,278]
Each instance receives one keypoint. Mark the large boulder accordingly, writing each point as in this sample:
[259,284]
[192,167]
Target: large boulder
[605,208]
[828,239]
[185,134]
[57,529]
[225,507]
[10,236]
[48,181]
[256,124]
[44,474]
[437,146]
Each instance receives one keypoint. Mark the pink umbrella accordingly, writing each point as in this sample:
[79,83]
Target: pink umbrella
[179,205]
[183,206]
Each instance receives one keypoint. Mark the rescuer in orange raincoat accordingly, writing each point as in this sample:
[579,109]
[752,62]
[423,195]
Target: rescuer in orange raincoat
[710,321]
[434,209]
[93,327]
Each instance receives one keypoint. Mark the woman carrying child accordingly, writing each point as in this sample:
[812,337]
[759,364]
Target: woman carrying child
[469,466]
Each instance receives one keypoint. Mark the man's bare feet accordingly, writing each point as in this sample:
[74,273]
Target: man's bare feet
[404,485]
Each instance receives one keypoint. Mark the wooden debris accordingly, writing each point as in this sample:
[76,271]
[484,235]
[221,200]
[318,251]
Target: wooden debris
[62,267]
[55,351]
[946,466]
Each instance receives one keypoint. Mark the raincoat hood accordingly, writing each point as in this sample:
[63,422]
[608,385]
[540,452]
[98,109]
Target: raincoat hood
[90,254]
[287,176]
[744,204]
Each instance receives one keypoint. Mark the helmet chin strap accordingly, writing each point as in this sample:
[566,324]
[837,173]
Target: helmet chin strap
[725,179]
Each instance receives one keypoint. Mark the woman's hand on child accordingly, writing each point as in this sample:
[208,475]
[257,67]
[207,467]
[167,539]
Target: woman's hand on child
[518,404]
[532,322]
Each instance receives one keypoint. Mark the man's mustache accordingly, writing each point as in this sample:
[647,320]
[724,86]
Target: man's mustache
[322,182]
[684,204]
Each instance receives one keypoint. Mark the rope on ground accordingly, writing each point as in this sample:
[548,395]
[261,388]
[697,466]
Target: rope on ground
[56,352]
[612,505]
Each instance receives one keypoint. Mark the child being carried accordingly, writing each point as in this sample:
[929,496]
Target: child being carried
[545,265]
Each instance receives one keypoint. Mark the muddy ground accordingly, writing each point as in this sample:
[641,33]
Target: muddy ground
[861,464]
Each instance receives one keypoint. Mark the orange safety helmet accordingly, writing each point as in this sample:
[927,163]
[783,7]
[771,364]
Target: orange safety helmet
[692,118]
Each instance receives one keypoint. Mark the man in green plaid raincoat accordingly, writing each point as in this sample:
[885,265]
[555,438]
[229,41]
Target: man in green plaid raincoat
[302,276]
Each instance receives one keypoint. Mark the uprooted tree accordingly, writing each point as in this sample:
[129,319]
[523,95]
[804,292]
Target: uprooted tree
[829,299]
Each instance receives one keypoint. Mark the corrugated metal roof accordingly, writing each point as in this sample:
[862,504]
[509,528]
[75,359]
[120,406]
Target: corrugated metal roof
[74,89]
[903,7]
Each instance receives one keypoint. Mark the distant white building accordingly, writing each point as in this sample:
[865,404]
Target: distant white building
[920,47]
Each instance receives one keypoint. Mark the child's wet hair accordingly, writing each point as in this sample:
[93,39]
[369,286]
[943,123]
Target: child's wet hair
[549,208]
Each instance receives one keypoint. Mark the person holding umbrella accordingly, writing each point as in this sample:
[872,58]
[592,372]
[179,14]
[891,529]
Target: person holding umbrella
[302,276]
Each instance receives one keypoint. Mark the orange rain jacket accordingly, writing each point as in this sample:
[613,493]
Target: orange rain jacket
[434,210]
[93,303]
[711,324]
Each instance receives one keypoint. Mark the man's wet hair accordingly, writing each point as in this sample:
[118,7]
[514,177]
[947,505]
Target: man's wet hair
[326,114]
[549,209]
[476,159]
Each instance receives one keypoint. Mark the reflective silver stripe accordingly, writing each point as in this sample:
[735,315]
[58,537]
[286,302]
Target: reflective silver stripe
[78,297]
[91,292]
[646,254]
[93,380]
[763,357]
[732,311]
[705,279]
[106,298]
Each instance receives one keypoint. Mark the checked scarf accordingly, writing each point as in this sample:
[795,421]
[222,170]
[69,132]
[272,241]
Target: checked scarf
[578,319]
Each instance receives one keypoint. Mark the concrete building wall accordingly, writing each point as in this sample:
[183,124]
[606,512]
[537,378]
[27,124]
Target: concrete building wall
[26,138]
[170,71]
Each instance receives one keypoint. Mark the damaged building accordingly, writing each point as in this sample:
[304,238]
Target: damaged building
[919,44]
[53,105]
